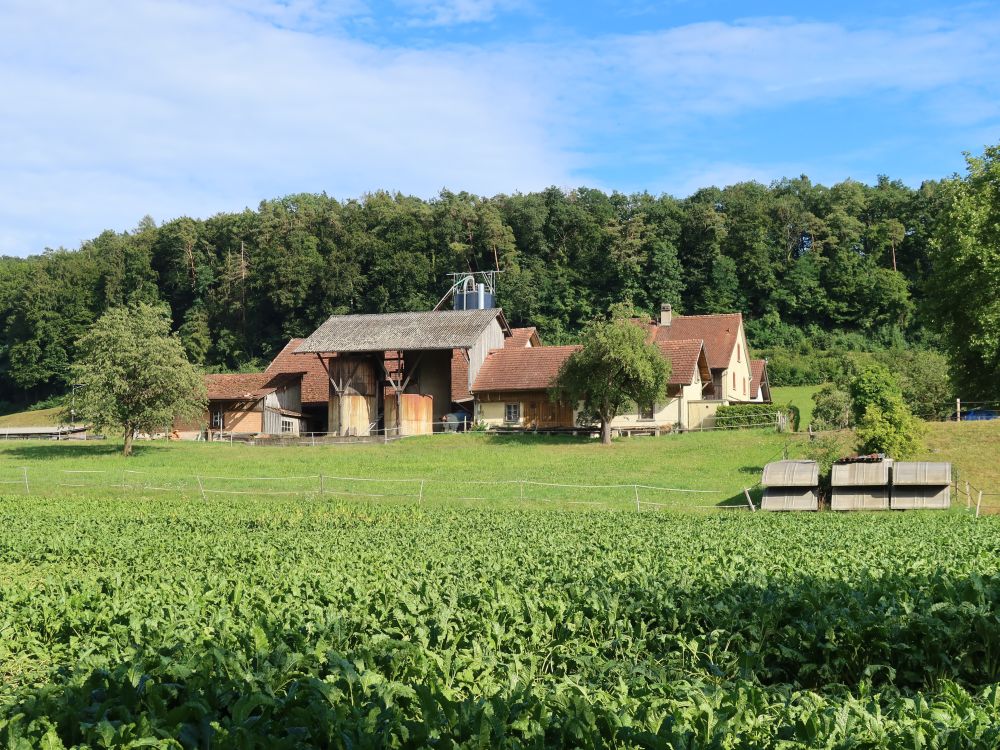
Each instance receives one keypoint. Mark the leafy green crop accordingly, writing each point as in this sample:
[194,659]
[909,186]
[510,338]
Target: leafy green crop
[133,622]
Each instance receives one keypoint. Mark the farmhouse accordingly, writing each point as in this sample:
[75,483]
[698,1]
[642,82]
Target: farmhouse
[710,366]
[402,373]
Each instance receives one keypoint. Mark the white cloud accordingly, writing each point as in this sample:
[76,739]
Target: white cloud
[112,110]
[183,108]
[719,68]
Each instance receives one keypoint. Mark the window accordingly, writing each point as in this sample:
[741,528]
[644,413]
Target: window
[744,386]
[512,412]
[734,381]
[739,353]
[287,426]
[218,422]
[645,411]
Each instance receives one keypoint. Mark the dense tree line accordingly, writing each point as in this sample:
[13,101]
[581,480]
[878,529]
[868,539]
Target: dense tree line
[800,260]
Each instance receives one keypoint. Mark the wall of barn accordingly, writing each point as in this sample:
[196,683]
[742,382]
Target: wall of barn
[491,338]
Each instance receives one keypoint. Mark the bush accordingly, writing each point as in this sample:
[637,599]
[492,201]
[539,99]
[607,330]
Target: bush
[884,422]
[747,415]
[832,409]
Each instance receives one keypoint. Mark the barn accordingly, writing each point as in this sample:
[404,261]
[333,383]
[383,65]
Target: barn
[393,372]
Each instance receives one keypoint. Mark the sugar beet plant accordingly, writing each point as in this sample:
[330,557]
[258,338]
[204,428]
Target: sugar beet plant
[262,623]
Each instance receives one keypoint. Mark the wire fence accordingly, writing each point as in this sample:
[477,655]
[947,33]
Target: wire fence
[131,483]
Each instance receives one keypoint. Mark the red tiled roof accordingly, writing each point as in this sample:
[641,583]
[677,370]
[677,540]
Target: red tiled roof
[758,369]
[528,369]
[248,386]
[520,337]
[719,332]
[315,381]
[683,357]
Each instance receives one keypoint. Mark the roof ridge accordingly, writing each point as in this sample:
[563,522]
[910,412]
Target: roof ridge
[708,315]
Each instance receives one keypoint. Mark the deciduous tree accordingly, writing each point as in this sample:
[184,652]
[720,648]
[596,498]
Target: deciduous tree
[135,374]
[614,367]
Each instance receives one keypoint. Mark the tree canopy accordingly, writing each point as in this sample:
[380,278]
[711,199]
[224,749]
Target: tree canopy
[966,275]
[134,374]
[797,258]
[613,368]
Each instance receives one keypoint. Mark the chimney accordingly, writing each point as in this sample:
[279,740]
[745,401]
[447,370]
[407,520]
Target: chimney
[666,314]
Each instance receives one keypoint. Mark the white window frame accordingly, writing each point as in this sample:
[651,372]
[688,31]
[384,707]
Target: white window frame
[651,412]
[287,426]
[508,408]
[218,419]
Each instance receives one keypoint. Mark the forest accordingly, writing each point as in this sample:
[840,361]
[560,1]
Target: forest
[814,269]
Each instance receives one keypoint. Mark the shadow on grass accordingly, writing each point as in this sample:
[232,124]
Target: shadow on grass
[68,449]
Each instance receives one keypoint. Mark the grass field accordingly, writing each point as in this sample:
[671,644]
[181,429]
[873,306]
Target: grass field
[799,396]
[722,463]
[36,418]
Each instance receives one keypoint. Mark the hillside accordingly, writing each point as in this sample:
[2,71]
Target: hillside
[36,418]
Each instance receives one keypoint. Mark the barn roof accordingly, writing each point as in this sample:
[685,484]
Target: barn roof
[526,369]
[407,331]
[246,386]
[719,332]
[315,380]
[687,358]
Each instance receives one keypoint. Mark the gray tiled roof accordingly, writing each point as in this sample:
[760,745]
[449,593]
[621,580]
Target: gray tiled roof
[409,331]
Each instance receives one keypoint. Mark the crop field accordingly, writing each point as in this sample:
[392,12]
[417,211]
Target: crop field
[137,611]
[269,623]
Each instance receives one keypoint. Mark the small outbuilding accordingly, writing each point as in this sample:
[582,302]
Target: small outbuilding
[791,485]
[860,485]
[921,484]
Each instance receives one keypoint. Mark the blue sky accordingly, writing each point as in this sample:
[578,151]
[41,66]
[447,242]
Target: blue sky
[112,110]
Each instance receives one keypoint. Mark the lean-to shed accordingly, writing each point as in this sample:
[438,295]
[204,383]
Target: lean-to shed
[921,484]
[791,485]
[860,485]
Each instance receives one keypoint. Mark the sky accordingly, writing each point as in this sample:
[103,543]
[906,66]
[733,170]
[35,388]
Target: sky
[110,111]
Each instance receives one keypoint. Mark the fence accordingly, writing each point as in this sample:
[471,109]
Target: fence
[130,483]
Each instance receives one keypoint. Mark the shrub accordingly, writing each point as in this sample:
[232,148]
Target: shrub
[884,422]
[832,409]
[747,415]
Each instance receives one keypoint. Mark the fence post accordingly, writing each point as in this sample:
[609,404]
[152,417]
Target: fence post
[420,497]
[201,487]
[638,507]
[749,501]
[958,410]
[968,495]
[979,502]
[124,490]
[322,485]
[27,489]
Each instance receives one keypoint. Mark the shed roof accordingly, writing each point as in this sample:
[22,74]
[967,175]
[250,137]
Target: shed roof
[687,357]
[719,332]
[791,474]
[528,369]
[868,474]
[246,386]
[405,331]
[925,473]
[315,380]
